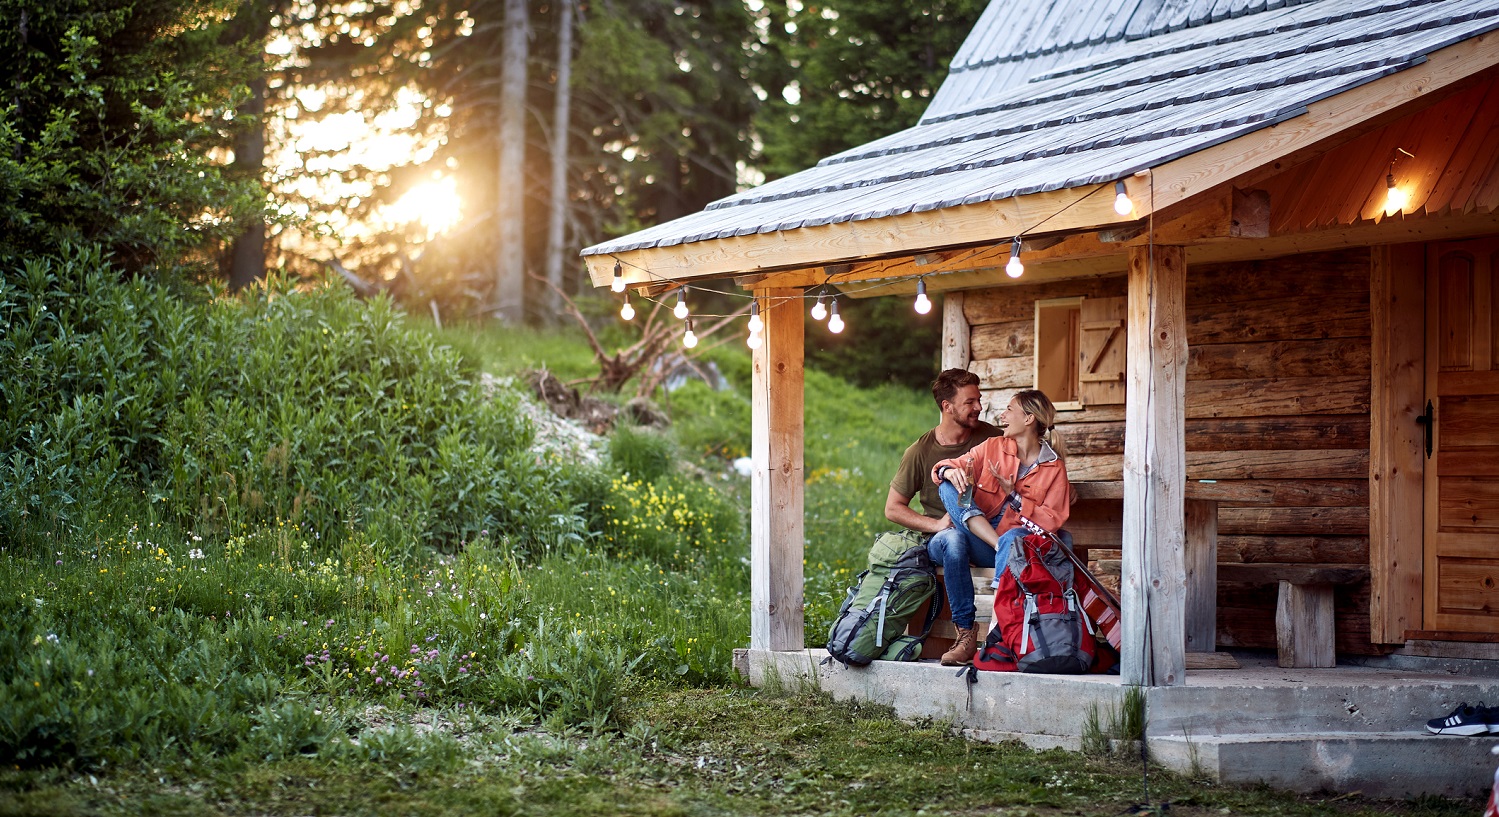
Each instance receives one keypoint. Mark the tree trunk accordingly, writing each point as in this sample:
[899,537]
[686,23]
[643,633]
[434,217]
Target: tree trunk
[510,257]
[556,248]
[247,255]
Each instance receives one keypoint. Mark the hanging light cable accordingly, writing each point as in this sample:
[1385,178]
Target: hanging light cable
[1014,268]
[923,303]
[835,321]
[619,278]
[681,309]
[1122,205]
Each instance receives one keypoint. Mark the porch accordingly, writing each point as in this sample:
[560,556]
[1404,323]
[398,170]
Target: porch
[1359,727]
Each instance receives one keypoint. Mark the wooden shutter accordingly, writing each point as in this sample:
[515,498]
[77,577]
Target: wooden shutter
[1100,370]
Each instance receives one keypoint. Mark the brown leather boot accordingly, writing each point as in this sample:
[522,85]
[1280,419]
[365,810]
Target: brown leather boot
[962,650]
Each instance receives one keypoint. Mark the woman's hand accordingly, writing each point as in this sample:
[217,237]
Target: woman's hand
[1006,487]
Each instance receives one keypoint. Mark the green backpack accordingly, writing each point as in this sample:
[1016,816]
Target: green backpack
[899,579]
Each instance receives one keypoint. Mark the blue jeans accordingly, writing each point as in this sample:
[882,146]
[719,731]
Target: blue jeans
[957,547]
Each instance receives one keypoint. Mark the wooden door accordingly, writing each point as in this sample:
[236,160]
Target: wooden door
[1461,570]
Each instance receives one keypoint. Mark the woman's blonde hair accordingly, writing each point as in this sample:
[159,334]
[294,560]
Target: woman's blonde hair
[1035,403]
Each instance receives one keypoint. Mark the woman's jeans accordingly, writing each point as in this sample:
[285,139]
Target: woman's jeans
[957,547]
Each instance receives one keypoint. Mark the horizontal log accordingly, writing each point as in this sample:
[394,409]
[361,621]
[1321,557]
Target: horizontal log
[1273,572]
[1337,463]
[1009,339]
[1298,549]
[1232,434]
[1015,303]
[1281,358]
[1289,396]
[1311,275]
[1005,372]
[1294,521]
[1297,318]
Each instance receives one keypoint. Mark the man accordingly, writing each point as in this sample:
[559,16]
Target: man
[957,394]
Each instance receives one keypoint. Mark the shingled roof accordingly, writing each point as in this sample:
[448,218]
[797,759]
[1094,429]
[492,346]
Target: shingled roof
[1048,95]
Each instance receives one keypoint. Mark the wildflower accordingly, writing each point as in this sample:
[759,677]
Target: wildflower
[52,637]
[195,553]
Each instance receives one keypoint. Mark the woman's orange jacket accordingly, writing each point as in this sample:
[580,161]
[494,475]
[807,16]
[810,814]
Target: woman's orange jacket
[1045,494]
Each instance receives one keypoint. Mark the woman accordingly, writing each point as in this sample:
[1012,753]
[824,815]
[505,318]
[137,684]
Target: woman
[1020,473]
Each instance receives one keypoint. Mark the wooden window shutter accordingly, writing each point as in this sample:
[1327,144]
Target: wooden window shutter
[1101,350]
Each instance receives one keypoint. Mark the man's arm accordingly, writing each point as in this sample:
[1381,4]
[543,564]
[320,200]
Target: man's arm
[898,510]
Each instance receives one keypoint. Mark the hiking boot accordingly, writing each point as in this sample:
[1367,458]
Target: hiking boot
[962,651]
[1464,720]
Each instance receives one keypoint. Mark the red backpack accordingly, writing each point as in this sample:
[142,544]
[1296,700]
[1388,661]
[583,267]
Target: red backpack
[1039,623]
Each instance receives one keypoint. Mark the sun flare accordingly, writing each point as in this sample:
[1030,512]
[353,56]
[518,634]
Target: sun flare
[435,204]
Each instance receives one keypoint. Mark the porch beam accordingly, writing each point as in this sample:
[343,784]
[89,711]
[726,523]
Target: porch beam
[776,501]
[956,351]
[1153,587]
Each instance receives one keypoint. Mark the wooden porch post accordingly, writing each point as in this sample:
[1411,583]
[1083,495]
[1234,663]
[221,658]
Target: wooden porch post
[1153,590]
[955,332]
[776,541]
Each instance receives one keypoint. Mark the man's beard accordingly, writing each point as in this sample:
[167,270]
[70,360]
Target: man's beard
[970,422]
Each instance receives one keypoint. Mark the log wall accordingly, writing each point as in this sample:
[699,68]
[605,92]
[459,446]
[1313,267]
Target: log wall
[1277,398]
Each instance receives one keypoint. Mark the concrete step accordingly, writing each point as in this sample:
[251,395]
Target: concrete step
[1378,764]
[1266,699]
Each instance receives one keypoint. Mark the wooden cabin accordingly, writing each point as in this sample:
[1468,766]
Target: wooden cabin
[1278,358]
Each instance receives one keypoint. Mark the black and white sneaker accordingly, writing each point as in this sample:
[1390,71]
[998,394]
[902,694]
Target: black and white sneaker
[1466,720]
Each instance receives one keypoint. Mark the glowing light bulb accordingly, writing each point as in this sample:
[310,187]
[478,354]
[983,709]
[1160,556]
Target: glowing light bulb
[619,278]
[755,324]
[1014,268]
[753,341]
[688,339]
[835,323]
[1122,205]
[1395,198]
[923,303]
[819,309]
[681,309]
[627,312]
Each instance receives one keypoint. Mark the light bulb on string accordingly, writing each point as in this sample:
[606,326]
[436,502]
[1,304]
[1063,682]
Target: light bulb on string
[627,312]
[753,341]
[755,324]
[681,309]
[819,309]
[923,303]
[619,278]
[835,321]
[1014,268]
[1122,205]
[688,339]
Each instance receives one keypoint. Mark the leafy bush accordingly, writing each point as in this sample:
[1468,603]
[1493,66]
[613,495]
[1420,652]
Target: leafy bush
[640,453]
[709,423]
[292,404]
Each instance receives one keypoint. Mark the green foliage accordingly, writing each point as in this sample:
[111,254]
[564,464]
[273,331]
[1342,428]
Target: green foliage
[709,424]
[302,405]
[111,113]
[641,453]
[857,71]
[886,342]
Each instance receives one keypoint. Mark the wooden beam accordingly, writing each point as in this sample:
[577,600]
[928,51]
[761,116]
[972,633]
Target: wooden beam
[955,349]
[1396,456]
[1233,214]
[776,499]
[1153,588]
[1202,574]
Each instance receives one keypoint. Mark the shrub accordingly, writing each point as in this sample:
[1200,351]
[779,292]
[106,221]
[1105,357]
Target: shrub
[640,453]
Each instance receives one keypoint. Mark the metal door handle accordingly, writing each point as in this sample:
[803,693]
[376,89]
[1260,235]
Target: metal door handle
[1429,422]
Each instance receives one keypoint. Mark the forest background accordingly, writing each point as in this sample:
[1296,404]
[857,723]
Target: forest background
[282,530]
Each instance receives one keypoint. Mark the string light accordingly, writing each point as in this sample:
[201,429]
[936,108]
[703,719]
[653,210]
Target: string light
[627,312]
[1122,205]
[923,303]
[1014,268]
[755,324]
[681,309]
[835,323]
[1395,198]
[820,309]
[619,278]
[753,341]
[688,339]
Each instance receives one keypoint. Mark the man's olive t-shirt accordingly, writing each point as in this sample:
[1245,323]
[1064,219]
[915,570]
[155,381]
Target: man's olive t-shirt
[914,476]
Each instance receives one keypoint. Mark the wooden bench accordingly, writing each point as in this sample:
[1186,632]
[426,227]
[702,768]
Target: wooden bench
[943,632]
